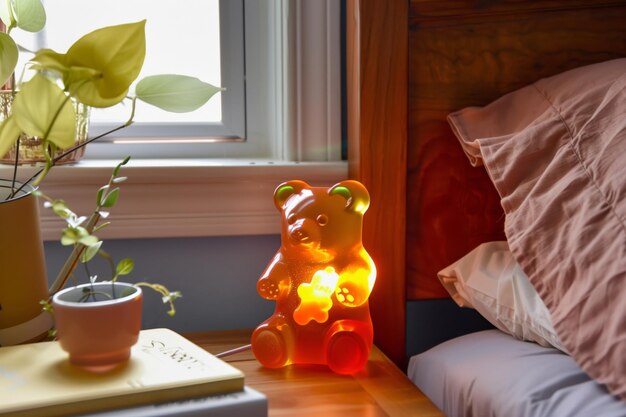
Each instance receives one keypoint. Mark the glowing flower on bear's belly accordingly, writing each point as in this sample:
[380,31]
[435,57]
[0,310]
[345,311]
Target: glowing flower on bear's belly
[315,297]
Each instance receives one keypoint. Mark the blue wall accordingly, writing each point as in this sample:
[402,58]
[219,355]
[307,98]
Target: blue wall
[217,276]
[430,322]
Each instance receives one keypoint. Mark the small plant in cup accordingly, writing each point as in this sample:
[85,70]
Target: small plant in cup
[79,232]
[97,323]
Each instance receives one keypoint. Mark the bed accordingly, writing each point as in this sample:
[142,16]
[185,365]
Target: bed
[410,66]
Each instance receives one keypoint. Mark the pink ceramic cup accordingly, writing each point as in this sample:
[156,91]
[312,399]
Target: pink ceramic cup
[98,334]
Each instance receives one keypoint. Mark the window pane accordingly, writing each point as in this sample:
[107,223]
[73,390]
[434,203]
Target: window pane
[181,37]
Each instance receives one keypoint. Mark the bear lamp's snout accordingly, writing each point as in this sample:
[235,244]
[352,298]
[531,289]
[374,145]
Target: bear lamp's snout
[304,232]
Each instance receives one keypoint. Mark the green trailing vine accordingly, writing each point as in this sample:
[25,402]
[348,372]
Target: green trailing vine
[79,232]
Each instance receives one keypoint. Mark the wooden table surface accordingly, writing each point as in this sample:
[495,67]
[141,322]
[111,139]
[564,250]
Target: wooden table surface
[381,389]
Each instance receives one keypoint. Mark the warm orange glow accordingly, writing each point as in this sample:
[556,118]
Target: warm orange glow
[321,279]
[315,297]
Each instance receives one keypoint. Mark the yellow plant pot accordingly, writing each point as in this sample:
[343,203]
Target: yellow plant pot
[30,151]
[23,282]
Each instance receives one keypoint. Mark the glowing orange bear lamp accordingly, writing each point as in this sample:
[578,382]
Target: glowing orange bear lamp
[321,279]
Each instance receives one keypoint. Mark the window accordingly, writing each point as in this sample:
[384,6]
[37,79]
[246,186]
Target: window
[201,38]
[173,45]
[279,63]
[292,112]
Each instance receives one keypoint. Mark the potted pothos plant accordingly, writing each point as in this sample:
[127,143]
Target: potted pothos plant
[98,71]
[97,322]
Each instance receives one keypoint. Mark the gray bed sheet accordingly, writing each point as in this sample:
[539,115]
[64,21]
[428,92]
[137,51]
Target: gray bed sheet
[491,374]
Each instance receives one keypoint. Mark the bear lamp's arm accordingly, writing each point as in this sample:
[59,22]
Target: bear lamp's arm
[356,283]
[275,280]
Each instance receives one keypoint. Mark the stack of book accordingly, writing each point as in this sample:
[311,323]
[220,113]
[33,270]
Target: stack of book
[167,375]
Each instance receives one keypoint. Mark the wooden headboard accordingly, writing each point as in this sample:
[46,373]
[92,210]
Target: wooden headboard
[409,65]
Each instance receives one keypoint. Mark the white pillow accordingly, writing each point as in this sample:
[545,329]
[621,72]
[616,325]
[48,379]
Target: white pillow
[489,280]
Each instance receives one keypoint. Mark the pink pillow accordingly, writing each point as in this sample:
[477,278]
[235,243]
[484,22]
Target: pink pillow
[556,152]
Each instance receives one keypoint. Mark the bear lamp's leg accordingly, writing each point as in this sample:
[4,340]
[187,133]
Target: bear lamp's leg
[347,346]
[271,343]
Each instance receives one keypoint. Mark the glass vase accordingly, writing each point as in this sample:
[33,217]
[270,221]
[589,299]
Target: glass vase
[30,151]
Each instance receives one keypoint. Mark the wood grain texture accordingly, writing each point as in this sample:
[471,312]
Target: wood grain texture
[377,131]
[492,10]
[468,53]
[452,209]
[381,389]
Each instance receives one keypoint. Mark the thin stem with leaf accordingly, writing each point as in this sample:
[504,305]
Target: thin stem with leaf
[86,245]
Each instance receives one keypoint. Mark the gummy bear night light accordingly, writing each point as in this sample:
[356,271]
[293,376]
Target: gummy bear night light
[321,279]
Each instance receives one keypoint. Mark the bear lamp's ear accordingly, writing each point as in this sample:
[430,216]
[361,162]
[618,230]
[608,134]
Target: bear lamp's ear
[355,193]
[286,190]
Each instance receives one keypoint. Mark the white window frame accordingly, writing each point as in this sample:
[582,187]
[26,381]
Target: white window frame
[299,116]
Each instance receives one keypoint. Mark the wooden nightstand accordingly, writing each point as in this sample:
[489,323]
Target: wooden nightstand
[381,389]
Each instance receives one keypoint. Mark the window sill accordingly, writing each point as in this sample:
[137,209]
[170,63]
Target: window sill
[181,198]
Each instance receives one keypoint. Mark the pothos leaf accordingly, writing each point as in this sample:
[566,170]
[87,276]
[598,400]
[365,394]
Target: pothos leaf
[51,60]
[116,54]
[8,57]
[29,15]
[175,93]
[42,109]
[111,198]
[60,209]
[100,194]
[6,13]
[125,266]
[9,133]
[101,226]
[70,236]
[91,251]
[88,240]
[116,170]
